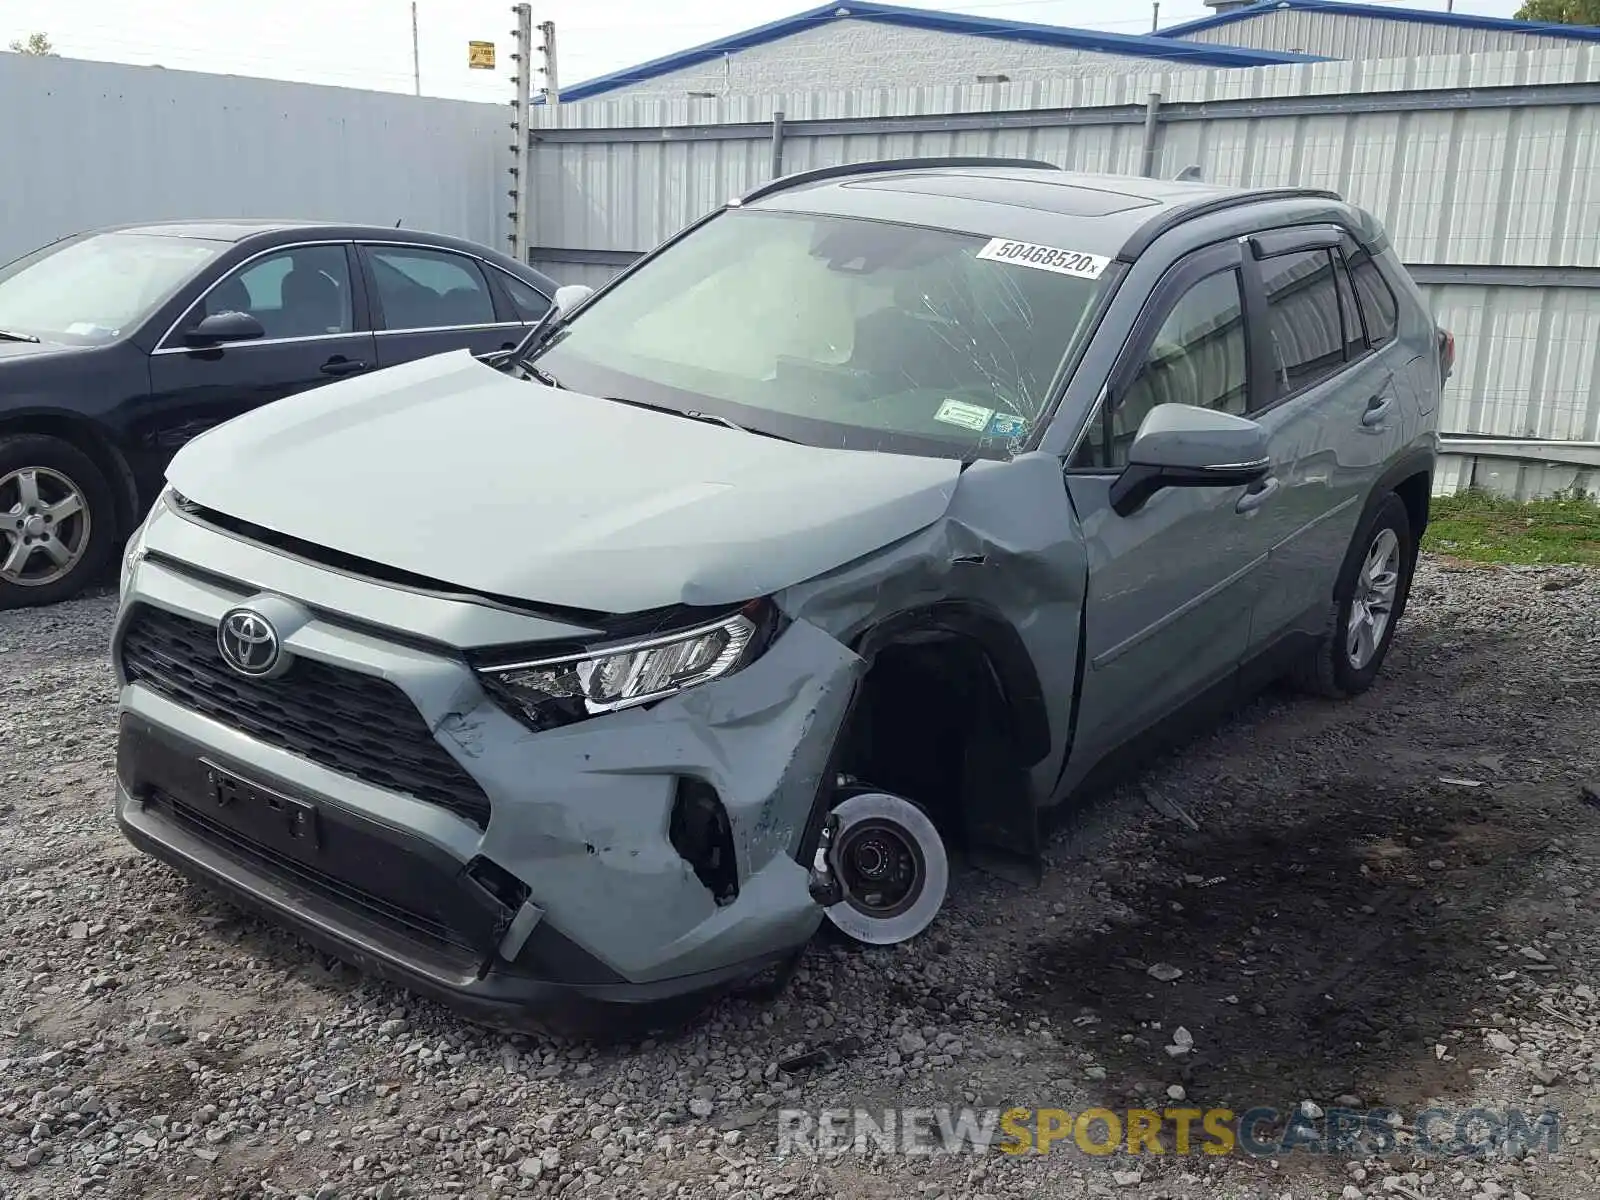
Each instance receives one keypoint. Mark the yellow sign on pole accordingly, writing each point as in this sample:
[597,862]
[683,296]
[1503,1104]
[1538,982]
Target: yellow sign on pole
[480,56]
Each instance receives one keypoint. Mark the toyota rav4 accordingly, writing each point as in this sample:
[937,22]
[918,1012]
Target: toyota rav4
[867,520]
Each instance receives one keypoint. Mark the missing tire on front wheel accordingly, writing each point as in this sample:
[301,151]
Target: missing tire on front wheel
[887,866]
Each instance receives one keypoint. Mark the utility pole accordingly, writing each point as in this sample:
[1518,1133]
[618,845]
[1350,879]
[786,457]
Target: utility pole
[1155,16]
[551,91]
[416,60]
[521,129]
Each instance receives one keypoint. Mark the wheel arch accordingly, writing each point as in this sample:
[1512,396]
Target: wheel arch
[1014,738]
[1410,478]
[82,434]
[1002,647]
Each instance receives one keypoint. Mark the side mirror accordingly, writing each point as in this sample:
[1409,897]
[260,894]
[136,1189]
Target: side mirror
[569,297]
[225,327]
[1179,445]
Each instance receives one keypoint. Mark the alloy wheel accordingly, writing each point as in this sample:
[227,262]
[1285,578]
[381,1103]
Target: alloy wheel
[44,526]
[1372,602]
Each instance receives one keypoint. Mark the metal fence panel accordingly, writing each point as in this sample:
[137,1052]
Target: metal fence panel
[1528,362]
[1485,168]
[1512,479]
[85,144]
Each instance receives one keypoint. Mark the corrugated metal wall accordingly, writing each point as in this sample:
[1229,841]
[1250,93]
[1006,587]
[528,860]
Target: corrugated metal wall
[84,144]
[1485,168]
[1340,35]
[859,53]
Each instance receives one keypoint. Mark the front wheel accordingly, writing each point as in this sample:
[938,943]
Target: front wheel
[1367,603]
[57,521]
[893,867]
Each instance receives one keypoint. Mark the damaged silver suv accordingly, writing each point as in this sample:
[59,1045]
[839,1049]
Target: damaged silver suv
[860,523]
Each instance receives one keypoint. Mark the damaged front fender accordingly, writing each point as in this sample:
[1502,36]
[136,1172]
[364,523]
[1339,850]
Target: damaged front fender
[587,819]
[1003,572]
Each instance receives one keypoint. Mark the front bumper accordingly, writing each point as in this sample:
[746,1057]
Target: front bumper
[564,904]
[383,900]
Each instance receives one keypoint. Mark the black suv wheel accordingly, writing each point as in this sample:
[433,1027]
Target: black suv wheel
[57,521]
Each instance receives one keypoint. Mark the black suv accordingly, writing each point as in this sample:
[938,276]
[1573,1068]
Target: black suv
[117,346]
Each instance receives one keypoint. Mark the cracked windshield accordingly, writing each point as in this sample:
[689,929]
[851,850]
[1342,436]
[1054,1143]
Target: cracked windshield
[835,331]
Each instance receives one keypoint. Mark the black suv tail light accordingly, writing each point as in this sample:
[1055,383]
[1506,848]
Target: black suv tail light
[1447,355]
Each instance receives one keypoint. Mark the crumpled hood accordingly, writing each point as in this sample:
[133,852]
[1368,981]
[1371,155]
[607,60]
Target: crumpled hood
[454,471]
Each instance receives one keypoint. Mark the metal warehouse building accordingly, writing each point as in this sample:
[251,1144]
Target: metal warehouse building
[844,46]
[1332,29]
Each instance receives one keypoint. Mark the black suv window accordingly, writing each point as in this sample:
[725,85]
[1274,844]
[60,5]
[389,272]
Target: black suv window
[1197,358]
[1378,305]
[429,289]
[529,301]
[1305,340]
[299,292]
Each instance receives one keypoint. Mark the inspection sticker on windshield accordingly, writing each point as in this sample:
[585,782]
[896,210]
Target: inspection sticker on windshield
[969,416]
[1045,258]
[1008,425]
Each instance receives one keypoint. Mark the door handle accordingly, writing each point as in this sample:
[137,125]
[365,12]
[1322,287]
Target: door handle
[1377,409]
[343,366]
[1258,495]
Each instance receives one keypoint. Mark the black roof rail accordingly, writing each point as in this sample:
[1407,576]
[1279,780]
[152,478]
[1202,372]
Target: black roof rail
[1178,214]
[785,182]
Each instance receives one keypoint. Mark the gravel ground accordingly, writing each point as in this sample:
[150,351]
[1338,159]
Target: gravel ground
[1392,900]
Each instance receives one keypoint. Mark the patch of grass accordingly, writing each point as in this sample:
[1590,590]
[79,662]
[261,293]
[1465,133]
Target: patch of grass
[1474,525]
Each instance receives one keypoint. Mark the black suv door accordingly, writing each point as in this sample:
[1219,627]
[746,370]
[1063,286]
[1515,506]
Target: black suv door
[426,300]
[307,298]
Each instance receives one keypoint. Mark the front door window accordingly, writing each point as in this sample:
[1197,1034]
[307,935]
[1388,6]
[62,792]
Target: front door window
[294,293]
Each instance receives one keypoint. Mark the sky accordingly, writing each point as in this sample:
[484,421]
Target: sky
[368,44]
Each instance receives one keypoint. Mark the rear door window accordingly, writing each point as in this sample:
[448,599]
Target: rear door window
[1355,337]
[1378,305]
[1305,338]
[429,289]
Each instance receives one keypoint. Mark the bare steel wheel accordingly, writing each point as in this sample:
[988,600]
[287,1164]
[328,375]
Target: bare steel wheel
[45,524]
[58,520]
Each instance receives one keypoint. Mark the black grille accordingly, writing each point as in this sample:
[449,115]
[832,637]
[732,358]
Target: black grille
[358,725]
[405,921]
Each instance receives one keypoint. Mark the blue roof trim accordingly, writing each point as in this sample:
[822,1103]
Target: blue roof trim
[917,18]
[1576,33]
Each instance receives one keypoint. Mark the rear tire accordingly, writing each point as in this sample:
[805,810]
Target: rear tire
[1368,601]
[58,521]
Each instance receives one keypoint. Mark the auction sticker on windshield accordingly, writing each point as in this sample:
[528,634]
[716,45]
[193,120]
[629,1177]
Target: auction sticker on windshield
[1045,258]
[969,416]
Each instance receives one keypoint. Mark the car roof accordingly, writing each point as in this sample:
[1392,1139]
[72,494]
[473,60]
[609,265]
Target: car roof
[242,229]
[1112,215]
[223,230]
[269,231]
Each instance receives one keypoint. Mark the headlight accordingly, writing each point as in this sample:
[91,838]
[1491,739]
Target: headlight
[133,552]
[557,691]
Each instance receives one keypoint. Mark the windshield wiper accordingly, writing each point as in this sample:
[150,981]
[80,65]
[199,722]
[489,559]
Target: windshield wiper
[713,419]
[693,415]
[7,335]
[543,376]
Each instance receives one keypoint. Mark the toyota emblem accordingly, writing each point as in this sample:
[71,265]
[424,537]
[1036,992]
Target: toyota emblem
[249,644]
